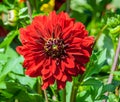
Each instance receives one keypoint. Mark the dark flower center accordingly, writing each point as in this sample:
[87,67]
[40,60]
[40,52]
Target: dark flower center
[55,48]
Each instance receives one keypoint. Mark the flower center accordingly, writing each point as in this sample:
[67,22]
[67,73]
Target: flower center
[55,48]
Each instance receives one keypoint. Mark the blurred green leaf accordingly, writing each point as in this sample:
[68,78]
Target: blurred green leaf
[9,38]
[113,98]
[3,8]
[80,5]
[62,8]
[21,11]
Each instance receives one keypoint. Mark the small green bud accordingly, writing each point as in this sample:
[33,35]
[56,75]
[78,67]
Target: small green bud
[114,24]
[115,30]
[10,18]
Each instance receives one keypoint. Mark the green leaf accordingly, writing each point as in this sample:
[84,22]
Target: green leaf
[80,5]
[10,53]
[9,39]
[23,93]
[2,85]
[3,8]
[36,98]
[113,98]
[5,94]
[62,7]
[84,96]
[3,59]
[68,91]
[116,75]
[9,67]
[99,93]
[23,16]
[26,80]
[23,10]
[93,82]
[108,88]
[96,63]
[102,57]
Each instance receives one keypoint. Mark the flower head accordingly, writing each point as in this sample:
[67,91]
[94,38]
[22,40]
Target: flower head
[55,48]
[48,7]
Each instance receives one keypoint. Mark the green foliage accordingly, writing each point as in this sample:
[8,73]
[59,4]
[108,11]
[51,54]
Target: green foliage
[7,41]
[96,63]
[13,83]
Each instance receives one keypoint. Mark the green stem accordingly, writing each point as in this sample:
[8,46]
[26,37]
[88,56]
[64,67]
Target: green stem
[73,93]
[68,6]
[75,88]
[64,95]
[29,9]
[39,90]
[35,6]
[45,94]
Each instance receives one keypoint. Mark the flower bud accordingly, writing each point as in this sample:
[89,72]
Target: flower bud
[10,18]
[115,30]
[114,25]
[48,7]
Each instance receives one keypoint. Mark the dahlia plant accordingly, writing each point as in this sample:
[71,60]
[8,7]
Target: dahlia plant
[59,51]
[55,48]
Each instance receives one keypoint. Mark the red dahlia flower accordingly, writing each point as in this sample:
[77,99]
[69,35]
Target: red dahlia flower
[55,48]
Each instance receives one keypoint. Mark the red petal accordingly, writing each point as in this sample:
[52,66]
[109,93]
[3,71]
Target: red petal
[67,29]
[58,74]
[28,35]
[81,68]
[60,84]
[68,62]
[48,82]
[53,18]
[76,40]
[66,77]
[72,72]
[81,59]
[35,70]
[20,50]
[79,30]
[87,42]
[46,71]
[53,66]
[57,31]
[45,85]
[51,80]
